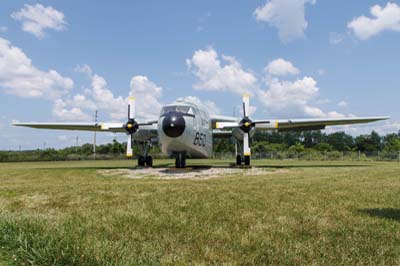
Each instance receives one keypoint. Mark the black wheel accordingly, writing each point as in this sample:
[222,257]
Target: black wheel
[246,160]
[238,159]
[141,161]
[149,161]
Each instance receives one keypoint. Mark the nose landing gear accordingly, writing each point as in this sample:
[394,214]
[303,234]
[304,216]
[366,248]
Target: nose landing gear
[180,160]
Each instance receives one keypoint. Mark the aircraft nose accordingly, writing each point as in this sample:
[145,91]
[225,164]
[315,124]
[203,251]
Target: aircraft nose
[173,124]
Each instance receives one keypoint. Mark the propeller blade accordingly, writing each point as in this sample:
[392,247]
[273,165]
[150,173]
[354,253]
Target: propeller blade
[221,125]
[129,152]
[131,107]
[246,104]
[246,146]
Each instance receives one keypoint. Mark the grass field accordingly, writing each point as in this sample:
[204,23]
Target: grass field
[320,213]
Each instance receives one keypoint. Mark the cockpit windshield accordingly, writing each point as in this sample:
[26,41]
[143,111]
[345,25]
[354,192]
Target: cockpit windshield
[176,108]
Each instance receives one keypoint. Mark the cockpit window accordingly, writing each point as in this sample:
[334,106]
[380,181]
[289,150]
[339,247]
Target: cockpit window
[176,108]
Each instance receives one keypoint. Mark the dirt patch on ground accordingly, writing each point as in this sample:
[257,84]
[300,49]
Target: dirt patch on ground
[187,173]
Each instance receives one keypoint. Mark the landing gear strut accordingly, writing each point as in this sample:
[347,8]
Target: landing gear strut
[145,159]
[239,158]
[180,160]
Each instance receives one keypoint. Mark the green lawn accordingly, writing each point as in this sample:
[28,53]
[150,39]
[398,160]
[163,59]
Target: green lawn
[321,213]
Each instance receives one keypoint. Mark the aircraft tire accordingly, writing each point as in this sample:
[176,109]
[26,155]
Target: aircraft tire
[246,160]
[238,159]
[141,161]
[149,161]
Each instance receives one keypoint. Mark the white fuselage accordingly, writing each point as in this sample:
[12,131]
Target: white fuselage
[195,140]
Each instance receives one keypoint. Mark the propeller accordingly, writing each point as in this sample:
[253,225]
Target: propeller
[131,126]
[246,125]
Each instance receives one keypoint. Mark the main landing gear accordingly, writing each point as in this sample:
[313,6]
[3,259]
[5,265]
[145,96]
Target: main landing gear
[146,159]
[180,160]
[239,160]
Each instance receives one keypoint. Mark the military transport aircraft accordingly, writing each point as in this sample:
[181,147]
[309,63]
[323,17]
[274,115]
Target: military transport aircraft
[186,130]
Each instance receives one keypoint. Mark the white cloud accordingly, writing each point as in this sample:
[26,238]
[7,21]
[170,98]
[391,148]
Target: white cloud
[383,18]
[147,95]
[19,77]
[62,112]
[291,98]
[288,16]
[335,38]
[213,75]
[105,99]
[84,69]
[343,104]
[281,67]
[100,97]
[208,105]
[37,18]
[3,29]
[288,98]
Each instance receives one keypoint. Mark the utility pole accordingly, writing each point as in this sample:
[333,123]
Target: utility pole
[94,139]
[44,146]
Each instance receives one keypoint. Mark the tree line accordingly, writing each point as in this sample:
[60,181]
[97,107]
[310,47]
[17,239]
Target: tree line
[262,142]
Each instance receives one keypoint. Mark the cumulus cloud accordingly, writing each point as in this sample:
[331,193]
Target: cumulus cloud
[279,95]
[208,105]
[19,77]
[291,98]
[63,112]
[288,16]
[147,95]
[220,73]
[3,29]
[336,38]
[343,104]
[281,67]
[382,18]
[37,18]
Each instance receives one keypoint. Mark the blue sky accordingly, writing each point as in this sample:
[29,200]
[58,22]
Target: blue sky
[61,60]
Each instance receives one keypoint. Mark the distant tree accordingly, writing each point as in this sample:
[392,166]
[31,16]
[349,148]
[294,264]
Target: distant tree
[340,141]
[323,147]
[298,147]
[372,142]
[391,143]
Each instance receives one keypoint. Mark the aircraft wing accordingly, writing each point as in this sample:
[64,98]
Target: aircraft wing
[299,124]
[221,134]
[313,124]
[102,127]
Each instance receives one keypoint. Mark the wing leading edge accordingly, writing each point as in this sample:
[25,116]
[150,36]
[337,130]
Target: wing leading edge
[316,124]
